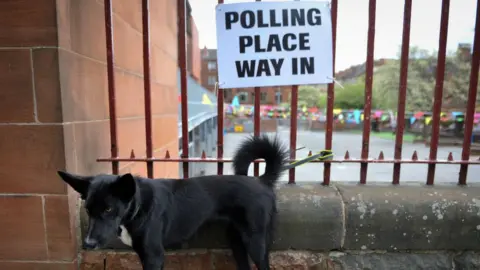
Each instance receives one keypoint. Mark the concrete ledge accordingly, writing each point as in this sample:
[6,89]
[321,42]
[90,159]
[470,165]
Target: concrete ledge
[411,217]
[222,260]
[372,217]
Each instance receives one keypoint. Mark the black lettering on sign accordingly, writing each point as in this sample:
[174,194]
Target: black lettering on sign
[274,43]
[273,21]
[307,65]
[261,23]
[247,19]
[285,42]
[244,42]
[258,44]
[314,17]
[289,17]
[285,17]
[230,18]
[303,43]
[247,68]
[294,66]
[277,65]
[298,17]
[263,67]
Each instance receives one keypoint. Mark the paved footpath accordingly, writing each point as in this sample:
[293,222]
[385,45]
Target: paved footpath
[342,142]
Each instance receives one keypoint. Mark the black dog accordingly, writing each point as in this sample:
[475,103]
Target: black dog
[152,214]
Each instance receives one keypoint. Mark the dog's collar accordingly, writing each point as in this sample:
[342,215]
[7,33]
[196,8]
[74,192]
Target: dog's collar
[135,212]
[131,214]
[119,231]
[126,219]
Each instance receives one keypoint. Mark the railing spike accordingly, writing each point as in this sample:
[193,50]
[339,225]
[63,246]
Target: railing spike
[380,156]
[347,155]
[167,154]
[450,157]
[132,154]
[415,155]
[204,156]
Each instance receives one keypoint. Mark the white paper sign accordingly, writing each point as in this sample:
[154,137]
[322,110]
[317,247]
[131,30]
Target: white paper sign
[274,43]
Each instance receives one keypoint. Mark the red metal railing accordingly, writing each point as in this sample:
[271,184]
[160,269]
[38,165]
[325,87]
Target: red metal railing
[330,95]
[402,91]
[368,90]
[182,61]
[472,97]
[220,122]
[437,103]
[147,85]
[256,127]
[364,160]
[111,84]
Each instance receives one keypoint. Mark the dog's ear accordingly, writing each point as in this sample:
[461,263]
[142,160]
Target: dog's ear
[78,182]
[124,187]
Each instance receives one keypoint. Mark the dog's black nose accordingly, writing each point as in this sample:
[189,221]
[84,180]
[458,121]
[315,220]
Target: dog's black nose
[89,243]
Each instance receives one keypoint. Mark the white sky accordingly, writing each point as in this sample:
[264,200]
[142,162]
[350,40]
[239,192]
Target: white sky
[353,24]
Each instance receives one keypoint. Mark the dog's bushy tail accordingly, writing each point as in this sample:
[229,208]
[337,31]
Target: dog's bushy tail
[271,150]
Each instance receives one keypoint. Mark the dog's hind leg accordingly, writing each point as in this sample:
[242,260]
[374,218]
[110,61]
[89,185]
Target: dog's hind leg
[266,257]
[237,245]
[270,235]
[257,249]
[259,223]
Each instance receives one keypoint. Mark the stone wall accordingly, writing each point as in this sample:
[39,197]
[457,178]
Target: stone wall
[83,83]
[345,226]
[54,114]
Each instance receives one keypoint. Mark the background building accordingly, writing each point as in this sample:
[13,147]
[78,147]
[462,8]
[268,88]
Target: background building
[274,95]
[193,49]
[209,68]
[269,95]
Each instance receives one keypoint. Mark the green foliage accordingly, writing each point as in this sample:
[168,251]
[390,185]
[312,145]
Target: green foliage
[351,97]
[322,101]
[422,68]
[421,79]
[284,105]
[309,95]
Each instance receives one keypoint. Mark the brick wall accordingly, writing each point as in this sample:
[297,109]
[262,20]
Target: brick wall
[54,114]
[84,87]
[270,94]
[208,55]
[207,260]
[195,56]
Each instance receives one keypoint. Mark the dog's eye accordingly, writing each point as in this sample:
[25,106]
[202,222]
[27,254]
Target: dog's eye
[108,209]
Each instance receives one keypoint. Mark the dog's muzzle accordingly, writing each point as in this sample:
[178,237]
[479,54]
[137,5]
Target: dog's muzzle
[89,243]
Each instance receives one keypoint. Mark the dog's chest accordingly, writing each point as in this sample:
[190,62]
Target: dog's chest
[125,236]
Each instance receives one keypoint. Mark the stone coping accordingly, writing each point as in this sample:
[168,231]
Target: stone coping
[292,260]
[404,218]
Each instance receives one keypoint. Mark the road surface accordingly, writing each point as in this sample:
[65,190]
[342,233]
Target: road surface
[350,172]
